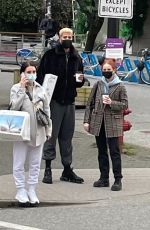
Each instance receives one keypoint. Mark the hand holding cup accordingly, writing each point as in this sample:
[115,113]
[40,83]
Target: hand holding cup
[79,77]
[106,99]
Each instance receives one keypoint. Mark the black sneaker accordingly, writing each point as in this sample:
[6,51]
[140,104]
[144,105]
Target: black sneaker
[101,183]
[47,176]
[70,176]
[117,186]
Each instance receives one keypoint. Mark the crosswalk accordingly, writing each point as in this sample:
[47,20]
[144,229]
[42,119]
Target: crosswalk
[11,226]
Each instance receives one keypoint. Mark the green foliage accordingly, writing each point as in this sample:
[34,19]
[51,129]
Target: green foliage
[19,13]
[80,23]
[134,27]
[129,149]
[62,12]
[84,10]
[126,30]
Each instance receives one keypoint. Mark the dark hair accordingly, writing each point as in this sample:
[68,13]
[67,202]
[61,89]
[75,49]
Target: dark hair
[25,65]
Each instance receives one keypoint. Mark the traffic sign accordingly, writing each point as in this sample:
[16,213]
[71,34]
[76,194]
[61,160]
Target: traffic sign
[115,9]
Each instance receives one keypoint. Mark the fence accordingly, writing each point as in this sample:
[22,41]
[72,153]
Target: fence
[11,41]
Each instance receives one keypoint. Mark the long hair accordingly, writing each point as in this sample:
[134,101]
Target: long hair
[25,65]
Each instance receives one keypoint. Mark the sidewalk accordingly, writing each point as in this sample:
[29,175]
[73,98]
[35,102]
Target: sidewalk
[136,181]
[134,185]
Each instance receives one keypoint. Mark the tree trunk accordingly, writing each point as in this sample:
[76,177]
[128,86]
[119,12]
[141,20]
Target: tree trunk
[92,34]
[94,21]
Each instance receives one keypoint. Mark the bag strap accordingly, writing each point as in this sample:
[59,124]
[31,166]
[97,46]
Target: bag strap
[94,97]
[9,106]
[29,95]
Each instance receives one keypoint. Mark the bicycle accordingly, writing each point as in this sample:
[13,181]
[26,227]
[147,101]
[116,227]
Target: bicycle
[144,53]
[142,67]
[29,54]
[100,47]
[91,63]
[33,54]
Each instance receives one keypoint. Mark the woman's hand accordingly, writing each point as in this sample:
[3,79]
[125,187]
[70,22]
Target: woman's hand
[24,80]
[86,127]
[48,138]
[106,100]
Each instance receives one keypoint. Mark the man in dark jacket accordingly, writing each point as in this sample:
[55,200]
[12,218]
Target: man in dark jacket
[65,62]
[50,27]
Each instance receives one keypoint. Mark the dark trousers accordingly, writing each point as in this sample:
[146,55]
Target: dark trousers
[46,40]
[103,143]
[63,123]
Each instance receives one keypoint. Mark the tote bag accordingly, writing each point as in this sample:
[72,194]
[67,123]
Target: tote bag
[14,125]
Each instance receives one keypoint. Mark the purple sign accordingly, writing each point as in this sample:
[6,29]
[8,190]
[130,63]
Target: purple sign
[114,43]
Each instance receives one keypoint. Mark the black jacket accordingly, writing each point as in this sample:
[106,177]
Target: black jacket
[55,61]
[50,26]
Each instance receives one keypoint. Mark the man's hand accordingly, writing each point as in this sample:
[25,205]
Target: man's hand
[81,77]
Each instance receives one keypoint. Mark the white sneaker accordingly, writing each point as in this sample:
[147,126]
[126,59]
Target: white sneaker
[22,195]
[32,195]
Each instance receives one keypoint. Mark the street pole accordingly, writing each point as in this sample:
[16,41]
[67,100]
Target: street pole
[113,28]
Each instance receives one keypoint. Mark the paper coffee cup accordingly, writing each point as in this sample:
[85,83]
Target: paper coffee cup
[105,96]
[77,77]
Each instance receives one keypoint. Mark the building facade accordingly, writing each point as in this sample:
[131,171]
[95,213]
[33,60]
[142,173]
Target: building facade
[144,40]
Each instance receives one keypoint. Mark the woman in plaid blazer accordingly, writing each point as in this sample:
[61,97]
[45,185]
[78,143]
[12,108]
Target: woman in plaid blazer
[104,119]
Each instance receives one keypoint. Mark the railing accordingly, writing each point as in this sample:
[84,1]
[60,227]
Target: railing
[11,41]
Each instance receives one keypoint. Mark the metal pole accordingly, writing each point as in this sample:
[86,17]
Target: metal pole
[0,39]
[113,28]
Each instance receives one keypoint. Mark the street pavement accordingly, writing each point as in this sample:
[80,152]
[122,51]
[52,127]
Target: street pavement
[67,206]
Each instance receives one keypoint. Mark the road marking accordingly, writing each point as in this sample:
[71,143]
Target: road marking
[16,226]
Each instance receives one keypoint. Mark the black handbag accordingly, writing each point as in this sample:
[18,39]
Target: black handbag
[42,117]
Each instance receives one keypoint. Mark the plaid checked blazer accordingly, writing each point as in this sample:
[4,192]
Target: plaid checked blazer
[113,114]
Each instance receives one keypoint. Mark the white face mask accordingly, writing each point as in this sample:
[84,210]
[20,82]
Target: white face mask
[31,76]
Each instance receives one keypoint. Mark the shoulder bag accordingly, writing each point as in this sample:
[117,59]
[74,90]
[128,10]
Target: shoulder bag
[41,116]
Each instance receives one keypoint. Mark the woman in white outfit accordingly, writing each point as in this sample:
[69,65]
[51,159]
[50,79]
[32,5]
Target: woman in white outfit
[24,96]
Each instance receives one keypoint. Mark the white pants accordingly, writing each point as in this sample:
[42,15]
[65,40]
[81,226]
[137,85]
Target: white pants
[20,152]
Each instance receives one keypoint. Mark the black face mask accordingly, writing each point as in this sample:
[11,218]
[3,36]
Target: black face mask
[107,74]
[66,44]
